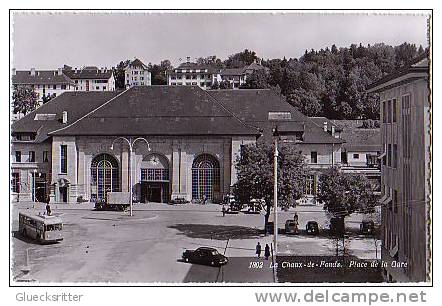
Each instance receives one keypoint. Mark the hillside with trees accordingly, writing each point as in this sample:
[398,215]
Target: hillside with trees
[329,82]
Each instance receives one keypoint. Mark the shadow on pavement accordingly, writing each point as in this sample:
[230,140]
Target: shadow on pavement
[238,270]
[217,232]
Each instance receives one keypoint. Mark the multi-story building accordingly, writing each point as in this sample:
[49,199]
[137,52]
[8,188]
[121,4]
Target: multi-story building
[204,76]
[46,83]
[195,137]
[193,74]
[406,176]
[137,74]
[91,78]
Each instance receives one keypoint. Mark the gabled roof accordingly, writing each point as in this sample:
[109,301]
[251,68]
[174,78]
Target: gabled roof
[41,77]
[159,110]
[136,63]
[359,139]
[88,72]
[77,104]
[253,106]
[255,66]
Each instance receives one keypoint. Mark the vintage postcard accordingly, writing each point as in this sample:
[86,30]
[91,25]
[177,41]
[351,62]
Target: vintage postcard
[220,147]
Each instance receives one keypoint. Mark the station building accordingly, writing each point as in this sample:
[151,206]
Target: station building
[75,147]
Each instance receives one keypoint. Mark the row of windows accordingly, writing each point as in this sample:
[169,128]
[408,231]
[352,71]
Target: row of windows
[63,86]
[191,77]
[96,88]
[31,157]
[202,84]
[390,109]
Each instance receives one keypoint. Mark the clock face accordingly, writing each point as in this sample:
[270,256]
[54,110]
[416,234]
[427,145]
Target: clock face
[154,160]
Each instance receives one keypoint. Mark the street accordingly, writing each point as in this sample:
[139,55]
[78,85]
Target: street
[108,246]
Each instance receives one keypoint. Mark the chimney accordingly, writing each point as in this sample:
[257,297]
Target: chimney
[333,130]
[65,117]
[60,71]
[33,71]
[188,59]
[325,126]
[14,71]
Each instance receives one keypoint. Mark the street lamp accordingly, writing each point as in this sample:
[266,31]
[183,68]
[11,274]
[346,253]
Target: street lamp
[275,191]
[131,143]
[33,184]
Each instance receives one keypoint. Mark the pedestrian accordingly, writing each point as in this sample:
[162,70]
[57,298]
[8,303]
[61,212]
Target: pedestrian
[267,252]
[204,200]
[258,250]
[224,210]
[48,209]
[295,217]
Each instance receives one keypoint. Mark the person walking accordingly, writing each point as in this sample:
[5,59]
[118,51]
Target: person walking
[224,210]
[258,250]
[267,252]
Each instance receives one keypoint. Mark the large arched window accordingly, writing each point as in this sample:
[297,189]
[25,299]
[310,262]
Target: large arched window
[205,177]
[104,176]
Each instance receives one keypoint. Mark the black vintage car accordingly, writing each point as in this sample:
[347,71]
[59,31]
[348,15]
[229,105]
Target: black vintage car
[366,228]
[205,256]
[312,228]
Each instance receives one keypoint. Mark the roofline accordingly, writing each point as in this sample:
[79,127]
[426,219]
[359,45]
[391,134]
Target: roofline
[91,112]
[402,77]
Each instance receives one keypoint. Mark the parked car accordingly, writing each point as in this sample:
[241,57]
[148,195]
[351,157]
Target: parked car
[337,226]
[254,207]
[178,201]
[312,228]
[205,256]
[270,227]
[366,228]
[291,227]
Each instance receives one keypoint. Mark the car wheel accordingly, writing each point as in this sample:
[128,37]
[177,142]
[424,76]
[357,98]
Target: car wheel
[187,259]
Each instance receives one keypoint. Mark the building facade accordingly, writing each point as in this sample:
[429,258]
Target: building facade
[91,78]
[406,177]
[195,137]
[46,83]
[137,74]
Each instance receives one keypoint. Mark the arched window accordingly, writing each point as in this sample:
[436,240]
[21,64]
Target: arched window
[104,176]
[205,177]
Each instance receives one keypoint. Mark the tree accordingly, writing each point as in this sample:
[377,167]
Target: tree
[345,193]
[257,80]
[119,74]
[241,59]
[158,72]
[25,99]
[255,175]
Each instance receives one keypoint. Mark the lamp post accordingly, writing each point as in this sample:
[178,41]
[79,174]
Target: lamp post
[131,142]
[34,173]
[275,191]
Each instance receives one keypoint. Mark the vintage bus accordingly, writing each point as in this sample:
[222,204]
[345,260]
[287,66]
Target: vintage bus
[42,228]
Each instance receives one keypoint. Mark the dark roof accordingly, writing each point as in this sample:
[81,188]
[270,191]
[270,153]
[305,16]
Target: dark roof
[194,66]
[319,121]
[418,65]
[253,106]
[232,71]
[256,66]
[137,63]
[77,104]
[41,77]
[159,110]
[359,139]
[89,72]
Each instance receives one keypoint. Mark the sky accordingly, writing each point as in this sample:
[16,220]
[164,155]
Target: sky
[50,40]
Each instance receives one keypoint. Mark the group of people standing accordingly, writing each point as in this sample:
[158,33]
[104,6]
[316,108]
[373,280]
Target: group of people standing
[266,251]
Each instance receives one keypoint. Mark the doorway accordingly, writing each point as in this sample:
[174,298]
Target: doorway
[154,192]
[63,191]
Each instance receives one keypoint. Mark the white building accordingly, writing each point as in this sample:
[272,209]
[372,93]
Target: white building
[137,74]
[91,78]
[46,83]
[193,74]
